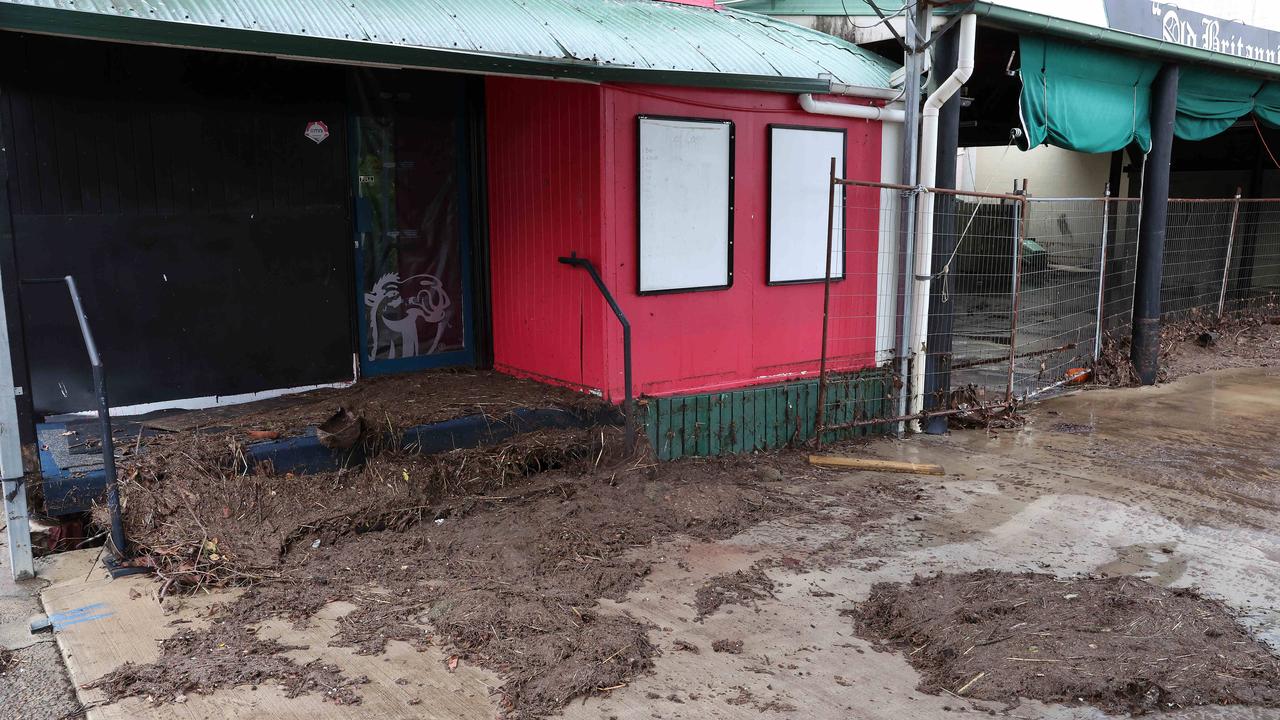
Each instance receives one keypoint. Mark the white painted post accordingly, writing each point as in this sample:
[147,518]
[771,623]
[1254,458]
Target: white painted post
[1226,264]
[1102,275]
[15,488]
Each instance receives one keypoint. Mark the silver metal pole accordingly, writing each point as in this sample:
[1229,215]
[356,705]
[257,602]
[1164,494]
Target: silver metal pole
[910,176]
[11,470]
[1226,264]
[1102,273]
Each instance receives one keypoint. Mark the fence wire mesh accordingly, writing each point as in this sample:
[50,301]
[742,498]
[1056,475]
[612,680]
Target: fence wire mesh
[1025,292]
[1122,261]
[1254,274]
[861,380]
[1196,253]
[974,249]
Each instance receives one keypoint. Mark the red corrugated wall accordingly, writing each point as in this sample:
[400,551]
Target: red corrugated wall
[750,333]
[562,177]
[544,148]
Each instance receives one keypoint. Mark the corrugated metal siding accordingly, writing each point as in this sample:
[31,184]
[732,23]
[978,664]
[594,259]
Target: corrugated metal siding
[638,34]
[544,203]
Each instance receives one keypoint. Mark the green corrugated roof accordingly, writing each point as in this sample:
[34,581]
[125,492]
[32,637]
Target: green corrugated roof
[607,40]
[819,7]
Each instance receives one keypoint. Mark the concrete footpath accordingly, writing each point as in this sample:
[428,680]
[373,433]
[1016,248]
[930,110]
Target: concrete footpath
[35,684]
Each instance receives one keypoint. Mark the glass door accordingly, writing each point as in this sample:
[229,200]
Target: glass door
[412,246]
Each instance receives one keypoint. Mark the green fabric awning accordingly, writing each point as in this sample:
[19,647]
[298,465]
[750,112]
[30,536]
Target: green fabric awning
[1210,102]
[1083,98]
[1266,104]
[1092,100]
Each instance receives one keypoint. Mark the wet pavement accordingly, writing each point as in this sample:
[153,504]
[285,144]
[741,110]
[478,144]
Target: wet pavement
[1179,484]
[35,686]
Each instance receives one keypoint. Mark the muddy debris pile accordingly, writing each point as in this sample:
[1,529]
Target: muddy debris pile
[1120,644]
[497,556]
[1198,341]
[394,402]
[743,587]
[203,517]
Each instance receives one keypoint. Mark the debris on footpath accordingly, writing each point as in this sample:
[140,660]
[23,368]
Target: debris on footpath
[743,587]
[1121,644]
[500,556]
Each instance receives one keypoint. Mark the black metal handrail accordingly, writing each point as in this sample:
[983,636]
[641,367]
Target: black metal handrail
[628,409]
[119,543]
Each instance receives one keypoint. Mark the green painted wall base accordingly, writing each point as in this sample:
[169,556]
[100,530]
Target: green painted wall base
[764,418]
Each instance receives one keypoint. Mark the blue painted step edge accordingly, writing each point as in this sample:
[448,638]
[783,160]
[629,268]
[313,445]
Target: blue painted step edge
[305,454]
[67,492]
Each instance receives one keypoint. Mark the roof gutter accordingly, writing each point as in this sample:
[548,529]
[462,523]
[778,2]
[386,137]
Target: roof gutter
[1023,21]
[864,112]
[839,88]
[98,26]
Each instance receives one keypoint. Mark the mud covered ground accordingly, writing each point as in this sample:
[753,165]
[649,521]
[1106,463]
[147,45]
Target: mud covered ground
[1121,644]
[502,568]
[1253,343]
[1199,343]
[394,402]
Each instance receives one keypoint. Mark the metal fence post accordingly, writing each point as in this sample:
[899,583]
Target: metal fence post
[1226,263]
[1020,221]
[826,307]
[1102,272]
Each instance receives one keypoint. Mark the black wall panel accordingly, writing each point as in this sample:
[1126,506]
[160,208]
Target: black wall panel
[210,238]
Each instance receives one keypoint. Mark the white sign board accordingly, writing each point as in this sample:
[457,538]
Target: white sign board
[799,187]
[686,204]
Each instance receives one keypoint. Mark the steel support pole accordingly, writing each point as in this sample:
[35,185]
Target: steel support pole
[937,382]
[1145,352]
[910,175]
[15,489]
[1226,263]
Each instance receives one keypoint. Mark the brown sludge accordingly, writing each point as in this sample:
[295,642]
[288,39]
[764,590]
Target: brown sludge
[743,587]
[1246,339]
[500,555]
[1121,644]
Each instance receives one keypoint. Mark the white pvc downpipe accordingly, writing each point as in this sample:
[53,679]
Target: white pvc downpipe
[865,112]
[924,211]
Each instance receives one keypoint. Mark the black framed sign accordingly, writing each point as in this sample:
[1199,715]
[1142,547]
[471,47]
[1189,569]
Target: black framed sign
[685,204]
[799,188]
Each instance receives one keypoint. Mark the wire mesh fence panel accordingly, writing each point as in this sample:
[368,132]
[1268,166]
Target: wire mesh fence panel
[972,305]
[1121,265]
[1024,293]
[1254,275]
[1197,236]
[1061,289]
[861,381]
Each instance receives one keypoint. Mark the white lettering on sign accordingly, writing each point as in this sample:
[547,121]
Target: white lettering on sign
[1210,33]
[317,131]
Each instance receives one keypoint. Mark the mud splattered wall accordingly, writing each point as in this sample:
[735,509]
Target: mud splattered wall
[544,202]
[209,236]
